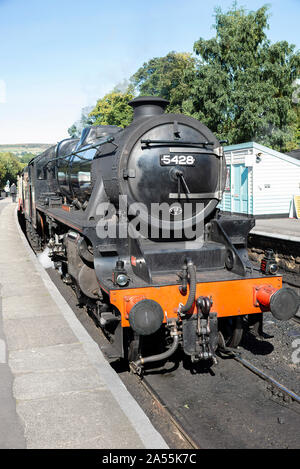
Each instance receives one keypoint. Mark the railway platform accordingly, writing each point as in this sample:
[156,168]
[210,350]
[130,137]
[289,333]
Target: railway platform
[56,388]
[280,228]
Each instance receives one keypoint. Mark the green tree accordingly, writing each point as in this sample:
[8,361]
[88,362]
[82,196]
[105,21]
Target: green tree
[244,84]
[298,126]
[26,157]
[10,167]
[169,77]
[113,109]
[296,107]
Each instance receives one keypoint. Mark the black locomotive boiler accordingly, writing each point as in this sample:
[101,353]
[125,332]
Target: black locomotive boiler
[130,217]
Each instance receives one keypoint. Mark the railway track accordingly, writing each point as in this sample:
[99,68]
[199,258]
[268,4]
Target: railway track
[168,414]
[180,424]
[185,431]
[269,379]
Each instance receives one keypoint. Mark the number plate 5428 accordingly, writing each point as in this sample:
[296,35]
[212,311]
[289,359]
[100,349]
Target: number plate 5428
[173,160]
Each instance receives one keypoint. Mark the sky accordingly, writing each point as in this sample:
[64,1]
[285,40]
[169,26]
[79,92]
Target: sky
[58,56]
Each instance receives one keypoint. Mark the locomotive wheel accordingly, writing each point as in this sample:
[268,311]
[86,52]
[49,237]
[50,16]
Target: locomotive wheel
[33,237]
[231,330]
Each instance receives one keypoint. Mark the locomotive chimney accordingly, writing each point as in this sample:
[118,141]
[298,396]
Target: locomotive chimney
[148,106]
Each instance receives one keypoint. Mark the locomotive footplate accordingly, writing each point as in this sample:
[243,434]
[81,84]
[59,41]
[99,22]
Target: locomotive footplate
[200,332]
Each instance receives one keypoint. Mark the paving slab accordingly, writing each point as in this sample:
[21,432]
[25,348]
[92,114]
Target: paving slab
[46,384]
[12,289]
[18,278]
[13,308]
[32,332]
[74,418]
[61,391]
[6,256]
[57,357]
[18,266]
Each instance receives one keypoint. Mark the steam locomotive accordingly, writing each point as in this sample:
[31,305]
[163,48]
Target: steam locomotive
[130,218]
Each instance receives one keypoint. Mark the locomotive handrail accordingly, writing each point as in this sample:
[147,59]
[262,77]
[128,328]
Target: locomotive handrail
[109,139]
[147,142]
[201,195]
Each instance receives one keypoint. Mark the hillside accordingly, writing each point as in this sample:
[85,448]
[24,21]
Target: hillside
[21,149]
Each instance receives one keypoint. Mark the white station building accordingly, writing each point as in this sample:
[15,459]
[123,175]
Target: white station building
[260,181]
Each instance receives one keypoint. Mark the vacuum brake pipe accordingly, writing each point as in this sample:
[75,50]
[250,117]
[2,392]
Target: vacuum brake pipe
[161,356]
[192,281]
